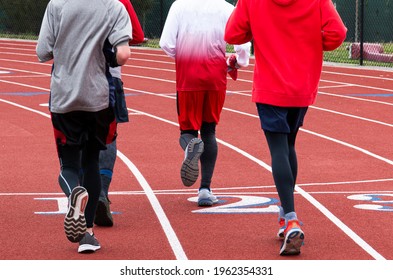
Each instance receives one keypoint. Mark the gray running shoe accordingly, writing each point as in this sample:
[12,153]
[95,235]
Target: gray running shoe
[88,244]
[206,198]
[189,171]
[103,215]
[74,221]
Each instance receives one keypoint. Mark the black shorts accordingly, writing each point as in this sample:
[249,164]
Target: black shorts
[80,128]
[281,119]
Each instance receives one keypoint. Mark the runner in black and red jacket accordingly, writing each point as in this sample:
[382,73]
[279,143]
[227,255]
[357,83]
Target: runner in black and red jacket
[108,157]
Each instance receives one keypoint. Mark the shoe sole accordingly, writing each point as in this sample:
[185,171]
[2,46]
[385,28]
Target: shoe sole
[74,221]
[189,171]
[103,218]
[205,202]
[293,242]
[87,248]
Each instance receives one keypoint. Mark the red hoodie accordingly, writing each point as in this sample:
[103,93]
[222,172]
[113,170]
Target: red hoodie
[137,33]
[289,39]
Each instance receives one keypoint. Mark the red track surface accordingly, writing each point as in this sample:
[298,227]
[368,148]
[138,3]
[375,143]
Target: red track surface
[344,198]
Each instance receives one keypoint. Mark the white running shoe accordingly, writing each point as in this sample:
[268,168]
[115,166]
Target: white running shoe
[206,198]
[74,221]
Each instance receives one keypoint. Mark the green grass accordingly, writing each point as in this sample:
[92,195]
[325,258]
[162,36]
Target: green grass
[19,36]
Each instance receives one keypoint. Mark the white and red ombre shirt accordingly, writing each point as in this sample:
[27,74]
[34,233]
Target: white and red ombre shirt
[193,35]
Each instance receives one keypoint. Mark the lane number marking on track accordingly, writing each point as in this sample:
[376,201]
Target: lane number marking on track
[380,202]
[242,205]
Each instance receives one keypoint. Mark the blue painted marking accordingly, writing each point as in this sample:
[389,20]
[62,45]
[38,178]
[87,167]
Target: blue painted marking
[372,94]
[23,93]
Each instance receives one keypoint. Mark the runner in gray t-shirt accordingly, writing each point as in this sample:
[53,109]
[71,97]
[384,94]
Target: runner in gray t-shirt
[73,34]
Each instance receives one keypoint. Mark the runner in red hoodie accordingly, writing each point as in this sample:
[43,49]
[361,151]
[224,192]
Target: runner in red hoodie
[289,39]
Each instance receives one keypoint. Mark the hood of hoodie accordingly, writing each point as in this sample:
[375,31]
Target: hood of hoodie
[284,2]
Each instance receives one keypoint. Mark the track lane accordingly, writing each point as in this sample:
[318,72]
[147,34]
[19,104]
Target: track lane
[229,135]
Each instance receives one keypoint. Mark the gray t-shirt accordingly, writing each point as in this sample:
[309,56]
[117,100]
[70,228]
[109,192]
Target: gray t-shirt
[73,33]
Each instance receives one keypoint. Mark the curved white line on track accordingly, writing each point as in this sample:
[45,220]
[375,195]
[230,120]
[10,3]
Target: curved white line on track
[364,151]
[356,238]
[230,146]
[352,116]
[357,98]
[25,108]
[359,76]
[164,221]
[25,71]
[325,110]
[302,129]
[24,85]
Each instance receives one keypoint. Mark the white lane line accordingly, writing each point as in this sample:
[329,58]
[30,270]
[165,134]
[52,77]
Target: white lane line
[352,116]
[164,221]
[358,98]
[25,108]
[364,151]
[356,238]
[169,232]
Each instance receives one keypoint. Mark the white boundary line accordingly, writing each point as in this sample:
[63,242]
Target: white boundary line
[164,221]
[356,238]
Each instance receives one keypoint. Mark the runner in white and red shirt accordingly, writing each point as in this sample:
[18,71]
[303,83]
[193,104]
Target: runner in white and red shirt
[194,36]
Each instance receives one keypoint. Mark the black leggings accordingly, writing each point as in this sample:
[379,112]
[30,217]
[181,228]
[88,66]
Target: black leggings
[284,166]
[73,161]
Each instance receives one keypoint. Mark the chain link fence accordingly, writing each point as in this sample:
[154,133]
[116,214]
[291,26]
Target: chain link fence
[369,40]
[370,33]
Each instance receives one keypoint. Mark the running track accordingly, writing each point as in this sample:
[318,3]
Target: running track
[344,195]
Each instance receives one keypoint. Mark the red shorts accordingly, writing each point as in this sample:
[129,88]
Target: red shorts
[195,107]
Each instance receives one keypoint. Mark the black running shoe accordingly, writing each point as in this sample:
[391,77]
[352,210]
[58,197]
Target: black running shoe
[74,221]
[103,215]
[88,244]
